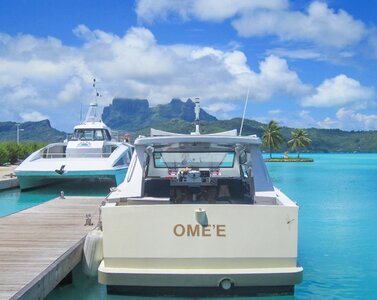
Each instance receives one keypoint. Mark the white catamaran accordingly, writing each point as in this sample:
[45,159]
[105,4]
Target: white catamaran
[89,153]
[199,212]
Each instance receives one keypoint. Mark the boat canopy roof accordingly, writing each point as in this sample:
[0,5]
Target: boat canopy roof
[202,138]
[92,125]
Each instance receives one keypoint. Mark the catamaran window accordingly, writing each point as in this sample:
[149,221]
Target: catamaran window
[193,159]
[107,135]
[98,135]
[91,135]
[83,134]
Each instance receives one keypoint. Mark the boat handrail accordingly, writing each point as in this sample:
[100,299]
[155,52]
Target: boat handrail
[60,152]
[76,155]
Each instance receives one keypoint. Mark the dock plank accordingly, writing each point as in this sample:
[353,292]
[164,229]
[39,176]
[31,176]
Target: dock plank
[39,240]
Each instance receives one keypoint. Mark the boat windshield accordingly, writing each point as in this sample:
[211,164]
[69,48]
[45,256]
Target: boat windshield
[90,135]
[193,159]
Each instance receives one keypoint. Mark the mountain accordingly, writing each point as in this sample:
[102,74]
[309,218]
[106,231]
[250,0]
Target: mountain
[137,117]
[133,114]
[31,131]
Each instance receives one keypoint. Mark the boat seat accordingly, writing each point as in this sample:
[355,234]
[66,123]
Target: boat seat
[159,187]
[235,186]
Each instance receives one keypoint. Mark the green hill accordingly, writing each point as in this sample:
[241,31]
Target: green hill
[137,117]
[32,131]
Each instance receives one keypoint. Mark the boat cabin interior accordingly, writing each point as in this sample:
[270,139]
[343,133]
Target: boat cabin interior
[198,172]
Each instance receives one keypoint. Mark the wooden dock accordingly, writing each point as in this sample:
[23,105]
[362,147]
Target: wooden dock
[39,246]
[8,179]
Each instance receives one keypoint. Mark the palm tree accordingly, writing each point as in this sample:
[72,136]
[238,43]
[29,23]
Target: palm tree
[272,136]
[299,140]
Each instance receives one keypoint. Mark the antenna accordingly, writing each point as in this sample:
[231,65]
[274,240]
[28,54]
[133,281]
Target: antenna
[244,111]
[96,94]
[92,114]
[197,112]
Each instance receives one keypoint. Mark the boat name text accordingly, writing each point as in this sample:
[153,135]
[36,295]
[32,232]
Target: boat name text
[188,230]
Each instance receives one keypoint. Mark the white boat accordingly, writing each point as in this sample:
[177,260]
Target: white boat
[89,153]
[199,213]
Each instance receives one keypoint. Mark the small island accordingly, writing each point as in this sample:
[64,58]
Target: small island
[272,138]
[289,159]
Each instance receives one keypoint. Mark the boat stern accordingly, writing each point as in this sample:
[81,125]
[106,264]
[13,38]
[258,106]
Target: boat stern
[220,247]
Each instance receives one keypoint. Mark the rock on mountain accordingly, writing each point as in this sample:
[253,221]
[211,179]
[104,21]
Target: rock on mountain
[134,114]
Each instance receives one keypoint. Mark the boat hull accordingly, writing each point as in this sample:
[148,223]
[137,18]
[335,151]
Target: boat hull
[35,179]
[165,246]
[251,282]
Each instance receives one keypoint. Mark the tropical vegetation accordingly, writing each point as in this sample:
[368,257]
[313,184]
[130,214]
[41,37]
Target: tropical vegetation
[11,152]
[272,137]
[299,140]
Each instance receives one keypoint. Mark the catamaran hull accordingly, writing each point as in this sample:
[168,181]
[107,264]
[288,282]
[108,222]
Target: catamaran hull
[34,179]
[242,247]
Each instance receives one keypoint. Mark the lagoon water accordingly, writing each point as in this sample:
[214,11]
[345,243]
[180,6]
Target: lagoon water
[337,195]
[13,200]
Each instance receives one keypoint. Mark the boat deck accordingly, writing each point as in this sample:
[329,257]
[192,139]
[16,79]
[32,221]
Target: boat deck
[39,246]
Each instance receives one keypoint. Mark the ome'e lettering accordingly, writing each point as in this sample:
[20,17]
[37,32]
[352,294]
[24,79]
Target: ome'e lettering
[188,230]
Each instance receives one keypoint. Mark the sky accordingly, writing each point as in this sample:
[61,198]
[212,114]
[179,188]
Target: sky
[301,63]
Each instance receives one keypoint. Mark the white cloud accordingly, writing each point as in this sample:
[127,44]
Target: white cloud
[345,119]
[33,116]
[329,123]
[348,118]
[219,107]
[301,119]
[297,53]
[275,112]
[38,73]
[319,25]
[71,91]
[373,45]
[338,91]
[206,10]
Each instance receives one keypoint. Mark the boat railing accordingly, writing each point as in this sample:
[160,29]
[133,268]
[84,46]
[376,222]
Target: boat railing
[50,149]
[58,150]
[47,155]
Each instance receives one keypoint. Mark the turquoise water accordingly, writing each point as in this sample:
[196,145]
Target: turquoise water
[337,195]
[13,200]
